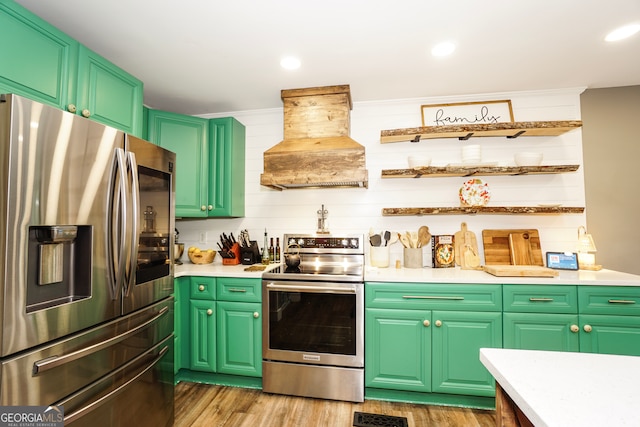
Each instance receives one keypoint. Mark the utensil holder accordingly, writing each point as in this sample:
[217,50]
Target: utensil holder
[379,256]
[413,257]
[235,250]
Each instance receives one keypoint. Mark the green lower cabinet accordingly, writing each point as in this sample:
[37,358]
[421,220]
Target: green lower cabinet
[203,335]
[239,339]
[610,334]
[398,349]
[541,331]
[458,337]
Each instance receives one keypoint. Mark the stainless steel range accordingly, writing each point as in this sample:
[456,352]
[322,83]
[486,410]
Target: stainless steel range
[313,335]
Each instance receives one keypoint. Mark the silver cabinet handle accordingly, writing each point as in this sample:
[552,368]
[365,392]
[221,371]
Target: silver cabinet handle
[621,301]
[533,299]
[449,298]
[53,361]
[237,290]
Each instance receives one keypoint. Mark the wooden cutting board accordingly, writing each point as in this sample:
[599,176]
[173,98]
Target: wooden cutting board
[466,248]
[498,251]
[520,271]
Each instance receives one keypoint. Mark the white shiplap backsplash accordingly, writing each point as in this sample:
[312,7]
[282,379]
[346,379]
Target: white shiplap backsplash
[355,210]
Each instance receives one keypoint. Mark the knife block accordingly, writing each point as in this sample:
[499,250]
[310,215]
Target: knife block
[235,250]
[250,255]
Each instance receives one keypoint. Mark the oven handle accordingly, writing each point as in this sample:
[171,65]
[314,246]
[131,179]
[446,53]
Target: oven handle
[310,288]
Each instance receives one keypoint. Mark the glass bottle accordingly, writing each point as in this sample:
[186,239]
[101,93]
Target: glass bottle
[265,249]
[271,251]
[277,251]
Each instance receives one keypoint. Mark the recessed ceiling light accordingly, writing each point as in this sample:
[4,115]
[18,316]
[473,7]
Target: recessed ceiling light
[290,63]
[622,32]
[443,49]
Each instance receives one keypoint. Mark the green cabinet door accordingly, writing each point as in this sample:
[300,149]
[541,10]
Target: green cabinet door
[108,94]
[239,340]
[610,334]
[186,136]
[541,331]
[226,167]
[42,63]
[203,335]
[38,61]
[457,339]
[398,349]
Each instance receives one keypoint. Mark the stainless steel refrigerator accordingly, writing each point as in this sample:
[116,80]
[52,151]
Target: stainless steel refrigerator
[86,268]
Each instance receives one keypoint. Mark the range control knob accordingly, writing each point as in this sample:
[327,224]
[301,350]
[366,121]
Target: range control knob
[354,243]
[344,242]
[301,242]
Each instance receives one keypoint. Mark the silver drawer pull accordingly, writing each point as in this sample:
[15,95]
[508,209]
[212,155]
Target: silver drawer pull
[432,297]
[621,301]
[540,299]
[237,290]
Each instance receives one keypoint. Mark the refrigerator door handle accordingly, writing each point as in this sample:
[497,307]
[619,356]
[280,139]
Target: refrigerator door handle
[135,222]
[54,361]
[117,224]
[97,403]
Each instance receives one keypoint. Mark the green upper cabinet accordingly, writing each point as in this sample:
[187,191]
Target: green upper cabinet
[186,136]
[48,66]
[107,94]
[38,60]
[209,164]
[226,167]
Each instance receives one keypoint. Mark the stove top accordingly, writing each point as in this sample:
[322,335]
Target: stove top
[322,258]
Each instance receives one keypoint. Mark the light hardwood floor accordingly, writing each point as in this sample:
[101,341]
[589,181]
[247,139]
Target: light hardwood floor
[208,405]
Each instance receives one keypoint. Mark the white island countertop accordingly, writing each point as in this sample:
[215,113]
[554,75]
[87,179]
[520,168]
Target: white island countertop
[566,389]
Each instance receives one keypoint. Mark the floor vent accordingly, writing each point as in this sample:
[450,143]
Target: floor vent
[363,419]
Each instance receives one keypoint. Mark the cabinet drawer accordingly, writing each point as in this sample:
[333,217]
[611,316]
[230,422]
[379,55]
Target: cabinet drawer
[615,300]
[433,296]
[540,299]
[203,288]
[236,289]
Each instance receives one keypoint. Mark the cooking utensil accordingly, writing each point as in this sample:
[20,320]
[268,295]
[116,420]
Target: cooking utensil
[424,237]
[375,240]
[394,237]
[405,240]
[387,236]
[292,260]
[470,258]
[409,239]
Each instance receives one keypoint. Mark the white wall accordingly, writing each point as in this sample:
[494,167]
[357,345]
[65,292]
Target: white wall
[356,210]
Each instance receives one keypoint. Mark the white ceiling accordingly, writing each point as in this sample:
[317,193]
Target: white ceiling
[199,56]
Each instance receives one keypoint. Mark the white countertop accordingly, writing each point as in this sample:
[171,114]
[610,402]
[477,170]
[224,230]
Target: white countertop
[458,275]
[216,269]
[431,275]
[567,389]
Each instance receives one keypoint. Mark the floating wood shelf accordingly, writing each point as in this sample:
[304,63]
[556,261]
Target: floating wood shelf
[446,171]
[463,210]
[463,132]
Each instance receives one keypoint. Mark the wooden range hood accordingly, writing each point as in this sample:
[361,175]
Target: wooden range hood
[317,150]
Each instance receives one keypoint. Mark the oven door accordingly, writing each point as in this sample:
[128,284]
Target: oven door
[319,323]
